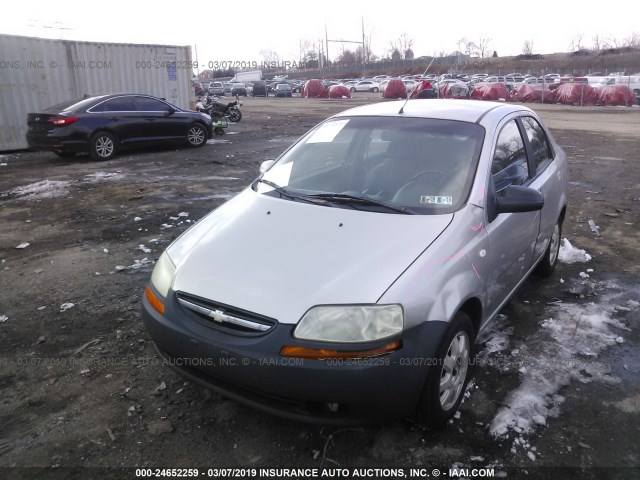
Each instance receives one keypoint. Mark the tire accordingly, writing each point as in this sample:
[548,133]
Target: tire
[375,89]
[353,90]
[447,378]
[62,154]
[197,135]
[235,115]
[548,263]
[218,131]
[103,146]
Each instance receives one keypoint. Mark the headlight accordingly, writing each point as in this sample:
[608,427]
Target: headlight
[163,273]
[362,323]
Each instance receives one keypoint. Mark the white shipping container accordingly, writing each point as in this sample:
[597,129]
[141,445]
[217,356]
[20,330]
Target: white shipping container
[36,73]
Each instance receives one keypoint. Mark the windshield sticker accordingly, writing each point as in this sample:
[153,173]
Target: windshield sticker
[327,132]
[436,200]
[278,174]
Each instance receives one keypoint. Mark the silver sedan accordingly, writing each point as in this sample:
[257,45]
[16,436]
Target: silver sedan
[350,280]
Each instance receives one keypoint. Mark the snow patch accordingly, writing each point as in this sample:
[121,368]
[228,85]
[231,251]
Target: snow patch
[570,254]
[565,349]
[103,177]
[43,189]
[496,336]
[66,306]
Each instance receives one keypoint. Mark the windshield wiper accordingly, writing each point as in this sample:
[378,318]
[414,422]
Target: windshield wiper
[356,200]
[284,193]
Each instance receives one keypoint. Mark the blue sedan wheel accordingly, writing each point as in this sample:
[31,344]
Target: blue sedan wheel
[103,146]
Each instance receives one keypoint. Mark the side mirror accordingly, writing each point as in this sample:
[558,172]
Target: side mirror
[517,199]
[266,165]
[171,111]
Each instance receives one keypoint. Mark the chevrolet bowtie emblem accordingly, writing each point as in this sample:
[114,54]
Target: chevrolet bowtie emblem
[218,315]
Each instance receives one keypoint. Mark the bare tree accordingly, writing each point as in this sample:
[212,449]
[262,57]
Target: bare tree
[368,55]
[462,44]
[346,58]
[527,47]
[470,48]
[597,42]
[632,40]
[483,46]
[576,43]
[402,45]
[408,54]
[270,57]
[405,43]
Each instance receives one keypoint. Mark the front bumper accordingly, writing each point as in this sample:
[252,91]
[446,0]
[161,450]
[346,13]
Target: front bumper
[250,369]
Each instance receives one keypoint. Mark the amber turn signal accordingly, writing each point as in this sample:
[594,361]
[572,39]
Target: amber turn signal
[153,300]
[324,354]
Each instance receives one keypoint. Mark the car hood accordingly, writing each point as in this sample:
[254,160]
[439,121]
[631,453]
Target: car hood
[278,258]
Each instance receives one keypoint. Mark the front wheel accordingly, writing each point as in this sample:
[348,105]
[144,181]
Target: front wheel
[196,136]
[235,115]
[448,377]
[353,90]
[375,90]
[548,263]
[102,146]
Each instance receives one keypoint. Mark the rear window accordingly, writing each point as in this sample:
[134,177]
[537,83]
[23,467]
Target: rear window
[72,105]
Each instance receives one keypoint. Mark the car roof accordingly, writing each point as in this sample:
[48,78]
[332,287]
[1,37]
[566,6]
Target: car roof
[444,109]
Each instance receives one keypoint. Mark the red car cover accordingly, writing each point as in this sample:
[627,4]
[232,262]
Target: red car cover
[395,89]
[490,91]
[454,90]
[613,95]
[536,93]
[339,91]
[424,84]
[576,94]
[314,89]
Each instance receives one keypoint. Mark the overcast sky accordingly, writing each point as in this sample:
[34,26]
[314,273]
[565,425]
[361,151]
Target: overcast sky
[238,30]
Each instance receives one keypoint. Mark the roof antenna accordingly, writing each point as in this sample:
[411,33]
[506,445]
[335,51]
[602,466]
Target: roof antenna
[413,89]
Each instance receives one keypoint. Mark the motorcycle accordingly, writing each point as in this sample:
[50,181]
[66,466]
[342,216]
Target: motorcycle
[231,111]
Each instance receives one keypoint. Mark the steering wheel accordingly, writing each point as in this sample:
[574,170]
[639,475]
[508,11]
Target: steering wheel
[431,173]
[411,192]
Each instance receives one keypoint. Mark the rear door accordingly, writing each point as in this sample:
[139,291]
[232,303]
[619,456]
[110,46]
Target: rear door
[546,178]
[122,118]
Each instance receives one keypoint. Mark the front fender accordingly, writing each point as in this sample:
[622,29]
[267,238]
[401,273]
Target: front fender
[452,270]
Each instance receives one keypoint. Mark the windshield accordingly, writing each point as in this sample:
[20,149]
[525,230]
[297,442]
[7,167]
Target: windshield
[424,165]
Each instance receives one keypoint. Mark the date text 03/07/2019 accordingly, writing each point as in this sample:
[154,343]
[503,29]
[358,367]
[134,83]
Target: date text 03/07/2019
[244,64]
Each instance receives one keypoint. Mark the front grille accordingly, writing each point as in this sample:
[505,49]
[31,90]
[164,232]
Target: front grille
[230,319]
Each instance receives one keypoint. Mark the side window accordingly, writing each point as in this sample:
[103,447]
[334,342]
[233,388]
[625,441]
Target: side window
[97,109]
[509,166]
[146,104]
[120,104]
[542,154]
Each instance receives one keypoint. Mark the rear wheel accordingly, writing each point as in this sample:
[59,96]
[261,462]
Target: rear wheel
[235,115]
[448,377]
[548,263]
[196,136]
[103,146]
[218,131]
[375,89]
